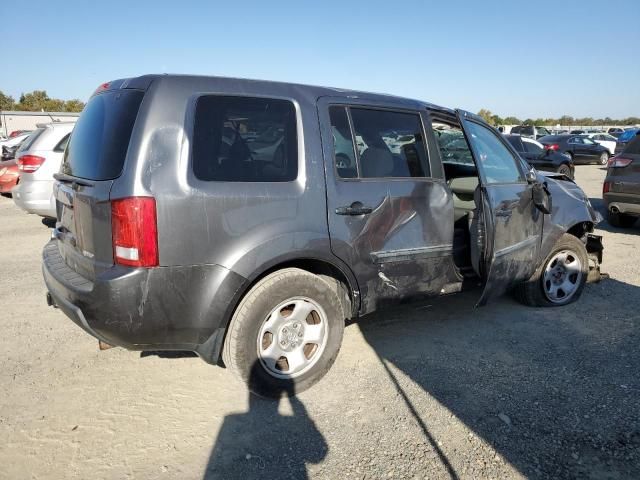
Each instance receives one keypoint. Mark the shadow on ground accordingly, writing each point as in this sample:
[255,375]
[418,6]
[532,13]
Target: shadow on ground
[555,391]
[263,443]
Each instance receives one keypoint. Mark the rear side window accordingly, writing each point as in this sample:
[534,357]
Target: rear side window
[389,144]
[533,148]
[62,144]
[99,142]
[245,139]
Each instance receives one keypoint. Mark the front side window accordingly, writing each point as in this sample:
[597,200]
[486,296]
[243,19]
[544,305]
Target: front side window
[389,144]
[492,156]
[576,141]
[245,139]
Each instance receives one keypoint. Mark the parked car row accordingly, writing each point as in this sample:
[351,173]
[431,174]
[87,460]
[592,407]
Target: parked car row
[28,175]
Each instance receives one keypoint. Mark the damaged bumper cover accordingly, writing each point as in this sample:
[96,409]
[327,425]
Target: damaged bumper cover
[171,308]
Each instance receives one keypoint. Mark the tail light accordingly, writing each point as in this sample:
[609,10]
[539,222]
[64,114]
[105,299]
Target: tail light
[618,162]
[606,186]
[135,231]
[30,163]
[102,87]
[552,146]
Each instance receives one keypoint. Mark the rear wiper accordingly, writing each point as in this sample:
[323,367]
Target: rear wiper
[64,178]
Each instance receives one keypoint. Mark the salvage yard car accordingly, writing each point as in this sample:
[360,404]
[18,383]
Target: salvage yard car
[173,233]
[621,187]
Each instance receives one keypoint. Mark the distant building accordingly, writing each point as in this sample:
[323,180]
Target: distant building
[15,120]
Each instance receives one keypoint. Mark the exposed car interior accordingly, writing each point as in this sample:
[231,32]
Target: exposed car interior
[461,175]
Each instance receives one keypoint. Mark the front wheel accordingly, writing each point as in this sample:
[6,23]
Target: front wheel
[285,334]
[560,279]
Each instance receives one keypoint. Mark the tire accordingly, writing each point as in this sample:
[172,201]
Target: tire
[565,169]
[537,291]
[269,312]
[604,158]
[620,220]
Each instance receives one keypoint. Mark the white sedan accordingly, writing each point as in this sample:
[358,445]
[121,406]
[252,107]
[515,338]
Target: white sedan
[604,139]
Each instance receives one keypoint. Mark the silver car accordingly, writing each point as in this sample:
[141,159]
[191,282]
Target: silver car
[38,159]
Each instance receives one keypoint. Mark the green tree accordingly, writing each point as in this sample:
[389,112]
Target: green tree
[566,120]
[497,120]
[6,101]
[512,121]
[73,105]
[34,101]
[486,115]
[528,121]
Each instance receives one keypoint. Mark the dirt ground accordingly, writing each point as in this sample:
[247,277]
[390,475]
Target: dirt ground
[432,390]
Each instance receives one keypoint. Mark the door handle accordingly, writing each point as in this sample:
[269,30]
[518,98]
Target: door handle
[356,208]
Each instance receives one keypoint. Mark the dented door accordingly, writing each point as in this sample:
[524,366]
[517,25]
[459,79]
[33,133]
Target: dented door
[388,219]
[513,224]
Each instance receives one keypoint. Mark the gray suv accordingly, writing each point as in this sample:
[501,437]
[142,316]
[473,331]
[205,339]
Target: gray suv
[621,187]
[247,220]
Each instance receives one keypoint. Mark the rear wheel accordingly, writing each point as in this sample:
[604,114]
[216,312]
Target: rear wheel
[285,334]
[564,169]
[560,279]
[604,158]
[621,220]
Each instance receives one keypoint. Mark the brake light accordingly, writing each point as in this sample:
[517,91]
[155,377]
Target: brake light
[618,162]
[552,146]
[606,186]
[135,231]
[102,87]
[30,163]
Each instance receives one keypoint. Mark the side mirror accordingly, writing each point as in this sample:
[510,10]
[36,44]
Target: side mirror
[542,197]
[531,175]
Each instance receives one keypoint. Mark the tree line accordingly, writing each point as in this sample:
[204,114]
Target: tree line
[38,101]
[565,120]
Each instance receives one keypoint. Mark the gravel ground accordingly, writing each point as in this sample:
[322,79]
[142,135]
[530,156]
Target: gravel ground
[432,390]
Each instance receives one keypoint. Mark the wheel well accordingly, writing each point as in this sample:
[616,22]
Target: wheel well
[579,230]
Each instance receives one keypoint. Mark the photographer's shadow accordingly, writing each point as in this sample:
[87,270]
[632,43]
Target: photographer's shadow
[263,443]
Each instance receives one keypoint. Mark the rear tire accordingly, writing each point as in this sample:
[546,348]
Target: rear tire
[621,220]
[285,334]
[604,158]
[565,169]
[539,290]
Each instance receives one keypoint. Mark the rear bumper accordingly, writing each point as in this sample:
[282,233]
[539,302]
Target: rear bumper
[169,308]
[35,197]
[625,203]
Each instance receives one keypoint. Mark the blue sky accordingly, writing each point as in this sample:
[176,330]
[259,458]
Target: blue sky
[531,59]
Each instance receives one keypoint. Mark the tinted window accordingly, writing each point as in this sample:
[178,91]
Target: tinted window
[245,139]
[62,144]
[99,142]
[389,144]
[493,157]
[29,141]
[516,143]
[633,147]
[576,140]
[343,152]
[533,148]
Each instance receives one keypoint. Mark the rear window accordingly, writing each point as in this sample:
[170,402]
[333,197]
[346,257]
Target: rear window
[30,140]
[245,139]
[98,145]
[633,147]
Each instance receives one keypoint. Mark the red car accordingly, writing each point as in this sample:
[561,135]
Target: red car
[8,176]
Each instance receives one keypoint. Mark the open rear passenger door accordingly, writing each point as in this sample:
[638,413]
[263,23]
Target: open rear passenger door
[512,222]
